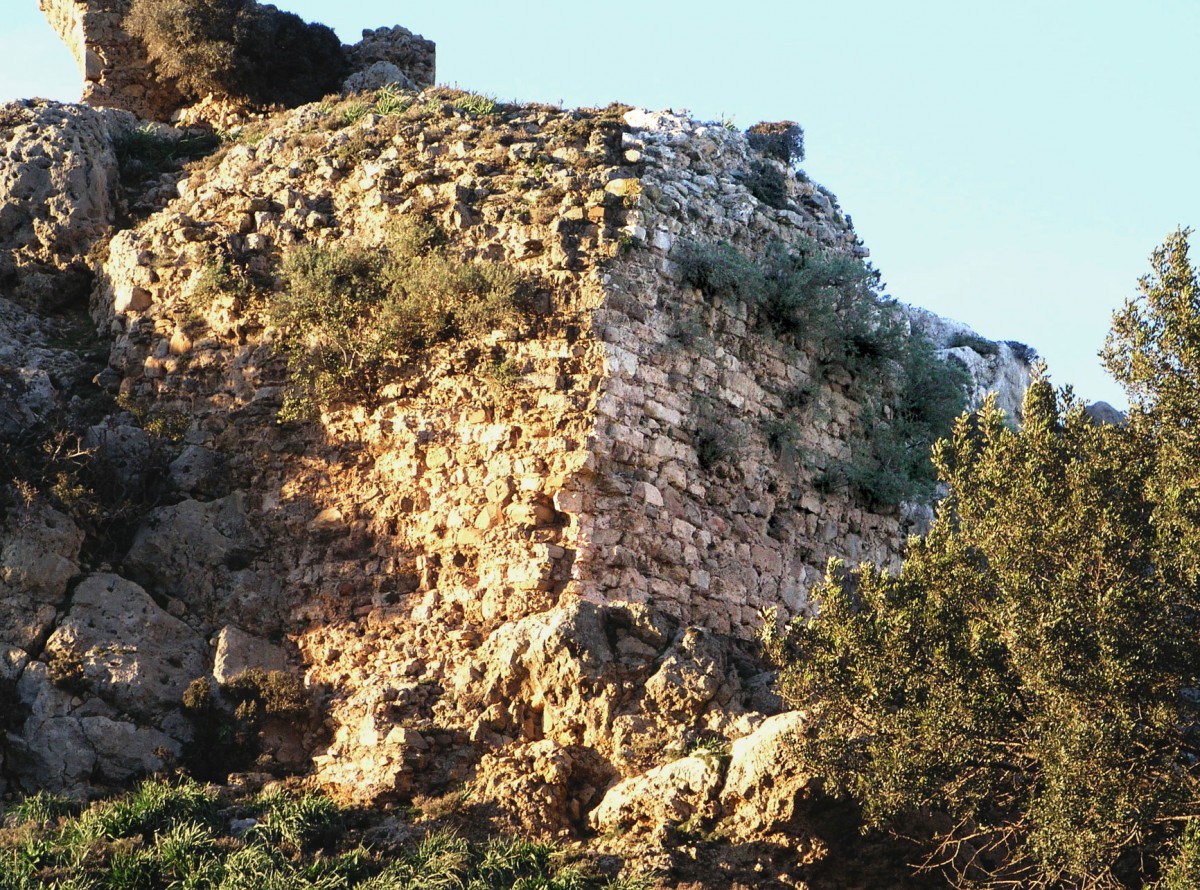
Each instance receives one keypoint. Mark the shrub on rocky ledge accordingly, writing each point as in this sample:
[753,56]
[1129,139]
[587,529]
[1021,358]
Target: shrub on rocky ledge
[239,49]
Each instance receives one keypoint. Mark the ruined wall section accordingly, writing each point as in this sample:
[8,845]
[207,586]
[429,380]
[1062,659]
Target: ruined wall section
[117,74]
[703,501]
[388,540]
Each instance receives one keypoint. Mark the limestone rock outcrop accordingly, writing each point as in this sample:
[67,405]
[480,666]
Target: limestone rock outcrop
[119,644]
[58,196]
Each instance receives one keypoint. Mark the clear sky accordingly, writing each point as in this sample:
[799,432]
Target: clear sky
[1011,165]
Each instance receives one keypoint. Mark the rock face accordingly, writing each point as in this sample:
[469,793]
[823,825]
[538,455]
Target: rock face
[994,367]
[117,73]
[59,196]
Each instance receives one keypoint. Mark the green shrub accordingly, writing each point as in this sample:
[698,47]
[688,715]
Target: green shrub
[1021,696]
[1022,351]
[350,316]
[149,151]
[767,183]
[982,345]
[476,103]
[781,140]
[299,843]
[297,825]
[719,270]
[830,305]
[44,808]
[226,726]
[239,49]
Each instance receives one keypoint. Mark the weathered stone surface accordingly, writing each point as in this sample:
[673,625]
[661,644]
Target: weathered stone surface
[124,450]
[411,53]
[58,191]
[689,677]
[39,554]
[51,751]
[200,472]
[764,784]
[202,554]
[543,787]
[670,794]
[69,745]
[1102,413]
[380,74]
[238,652]
[125,649]
[1002,367]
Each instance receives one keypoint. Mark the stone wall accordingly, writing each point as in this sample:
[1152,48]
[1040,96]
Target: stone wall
[513,562]
[117,74]
[712,539]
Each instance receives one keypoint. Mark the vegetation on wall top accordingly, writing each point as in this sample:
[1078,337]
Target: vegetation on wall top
[240,49]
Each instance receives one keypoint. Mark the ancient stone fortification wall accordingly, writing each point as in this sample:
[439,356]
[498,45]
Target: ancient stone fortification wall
[117,74]
[712,540]
[489,570]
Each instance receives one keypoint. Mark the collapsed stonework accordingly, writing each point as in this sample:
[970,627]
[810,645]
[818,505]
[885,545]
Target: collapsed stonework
[512,570]
[117,73]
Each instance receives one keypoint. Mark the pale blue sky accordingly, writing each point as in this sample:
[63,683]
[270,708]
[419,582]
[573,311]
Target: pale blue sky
[1010,165]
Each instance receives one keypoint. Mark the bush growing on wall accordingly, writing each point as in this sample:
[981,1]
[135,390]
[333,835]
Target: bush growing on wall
[829,303]
[350,315]
[781,140]
[239,48]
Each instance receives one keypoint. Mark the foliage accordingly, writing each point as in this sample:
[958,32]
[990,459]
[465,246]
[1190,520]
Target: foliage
[1023,351]
[720,270]
[982,345]
[476,103]
[226,721]
[239,49]
[350,316]
[1154,352]
[768,183]
[166,837]
[1021,696]
[781,140]
[149,150]
[829,303]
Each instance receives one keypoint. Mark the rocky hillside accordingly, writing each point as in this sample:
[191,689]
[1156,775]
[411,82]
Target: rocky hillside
[510,541]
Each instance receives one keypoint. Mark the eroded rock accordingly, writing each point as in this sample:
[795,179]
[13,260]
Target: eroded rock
[666,795]
[39,555]
[119,645]
[59,183]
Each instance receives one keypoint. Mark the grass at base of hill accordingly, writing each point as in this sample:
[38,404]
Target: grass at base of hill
[180,835]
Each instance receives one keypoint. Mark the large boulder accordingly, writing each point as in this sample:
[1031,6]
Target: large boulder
[59,181]
[238,652]
[73,745]
[670,794]
[763,785]
[118,644]
[39,555]
[203,555]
